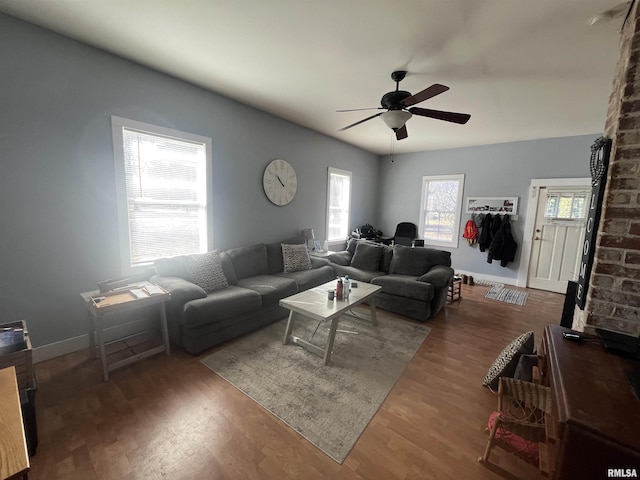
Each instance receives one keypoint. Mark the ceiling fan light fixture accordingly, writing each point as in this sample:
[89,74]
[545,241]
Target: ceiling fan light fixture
[395,119]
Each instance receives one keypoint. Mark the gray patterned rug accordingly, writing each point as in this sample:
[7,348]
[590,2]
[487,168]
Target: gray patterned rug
[329,405]
[507,295]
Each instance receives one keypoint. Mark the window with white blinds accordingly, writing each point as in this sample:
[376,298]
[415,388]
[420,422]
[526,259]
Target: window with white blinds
[338,204]
[161,177]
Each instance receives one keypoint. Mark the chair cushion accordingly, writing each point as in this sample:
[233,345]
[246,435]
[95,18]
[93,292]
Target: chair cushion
[505,364]
[205,270]
[295,258]
[367,256]
[529,450]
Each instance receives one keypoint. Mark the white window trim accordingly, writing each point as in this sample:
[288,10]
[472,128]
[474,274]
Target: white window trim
[347,173]
[456,223]
[117,124]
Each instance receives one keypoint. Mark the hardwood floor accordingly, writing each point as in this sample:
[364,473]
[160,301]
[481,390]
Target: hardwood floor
[172,418]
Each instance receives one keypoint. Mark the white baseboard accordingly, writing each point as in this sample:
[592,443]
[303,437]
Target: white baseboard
[81,342]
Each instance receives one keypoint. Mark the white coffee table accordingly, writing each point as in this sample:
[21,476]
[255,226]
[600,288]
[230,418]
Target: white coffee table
[314,304]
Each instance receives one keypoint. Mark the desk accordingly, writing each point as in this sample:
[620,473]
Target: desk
[118,301]
[13,446]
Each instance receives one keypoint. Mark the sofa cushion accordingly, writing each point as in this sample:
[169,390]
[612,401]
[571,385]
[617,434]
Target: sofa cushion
[295,258]
[387,257]
[506,363]
[249,261]
[340,258]
[220,305]
[352,243]
[227,268]
[306,279]
[438,276]
[270,287]
[205,270]
[181,290]
[416,261]
[367,256]
[274,253]
[356,273]
[405,286]
[172,267]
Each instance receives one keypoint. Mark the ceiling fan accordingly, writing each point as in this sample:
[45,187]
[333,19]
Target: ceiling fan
[396,104]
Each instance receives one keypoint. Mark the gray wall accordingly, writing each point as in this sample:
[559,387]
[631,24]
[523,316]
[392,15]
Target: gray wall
[490,171]
[57,189]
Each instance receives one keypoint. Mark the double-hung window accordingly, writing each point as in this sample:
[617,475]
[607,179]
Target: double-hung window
[162,194]
[440,209]
[338,204]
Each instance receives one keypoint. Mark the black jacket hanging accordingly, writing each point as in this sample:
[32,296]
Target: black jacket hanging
[484,239]
[503,247]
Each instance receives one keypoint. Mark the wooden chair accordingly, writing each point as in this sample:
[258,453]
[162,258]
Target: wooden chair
[518,426]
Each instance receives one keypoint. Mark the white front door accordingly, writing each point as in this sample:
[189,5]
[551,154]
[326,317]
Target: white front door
[557,238]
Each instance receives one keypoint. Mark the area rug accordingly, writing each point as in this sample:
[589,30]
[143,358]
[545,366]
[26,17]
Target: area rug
[328,405]
[507,295]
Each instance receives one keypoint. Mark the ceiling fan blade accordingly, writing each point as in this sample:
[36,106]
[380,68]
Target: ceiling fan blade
[453,117]
[429,92]
[402,133]
[359,109]
[361,121]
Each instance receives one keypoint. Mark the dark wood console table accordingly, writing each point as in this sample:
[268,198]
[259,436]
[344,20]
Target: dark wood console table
[595,421]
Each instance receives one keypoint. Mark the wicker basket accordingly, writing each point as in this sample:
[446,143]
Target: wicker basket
[21,359]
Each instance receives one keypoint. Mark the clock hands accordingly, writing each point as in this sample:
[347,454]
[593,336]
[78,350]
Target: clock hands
[278,177]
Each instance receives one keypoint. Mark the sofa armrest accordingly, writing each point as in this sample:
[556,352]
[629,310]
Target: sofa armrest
[340,258]
[439,276]
[181,290]
[317,262]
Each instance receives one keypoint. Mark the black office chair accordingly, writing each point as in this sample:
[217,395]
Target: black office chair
[405,233]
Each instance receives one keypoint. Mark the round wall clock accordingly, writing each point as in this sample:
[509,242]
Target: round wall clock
[280,182]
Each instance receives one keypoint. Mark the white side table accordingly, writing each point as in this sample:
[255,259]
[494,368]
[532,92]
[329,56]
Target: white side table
[118,301]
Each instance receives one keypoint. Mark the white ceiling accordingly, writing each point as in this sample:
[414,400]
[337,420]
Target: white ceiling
[522,69]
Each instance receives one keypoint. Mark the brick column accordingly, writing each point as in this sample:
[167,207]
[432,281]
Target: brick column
[613,298]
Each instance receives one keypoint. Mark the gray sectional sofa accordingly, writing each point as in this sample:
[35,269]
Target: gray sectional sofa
[243,299]
[414,281]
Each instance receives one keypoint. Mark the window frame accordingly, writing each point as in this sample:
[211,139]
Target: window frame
[346,173]
[458,213]
[118,124]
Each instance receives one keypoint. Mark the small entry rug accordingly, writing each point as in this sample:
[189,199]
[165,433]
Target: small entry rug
[507,295]
[328,405]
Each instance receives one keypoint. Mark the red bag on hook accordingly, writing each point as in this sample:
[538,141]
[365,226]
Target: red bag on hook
[471,232]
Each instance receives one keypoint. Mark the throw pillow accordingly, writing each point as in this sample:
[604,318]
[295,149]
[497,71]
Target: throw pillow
[206,271]
[295,258]
[367,257]
[505,364]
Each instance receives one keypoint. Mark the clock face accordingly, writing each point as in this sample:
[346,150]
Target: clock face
[280,182]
